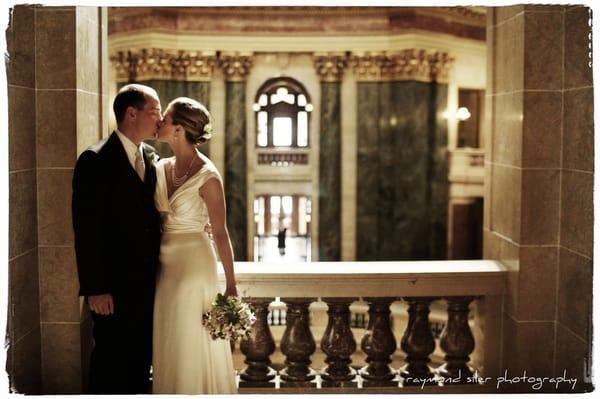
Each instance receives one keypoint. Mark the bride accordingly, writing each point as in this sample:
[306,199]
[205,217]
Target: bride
[189,193]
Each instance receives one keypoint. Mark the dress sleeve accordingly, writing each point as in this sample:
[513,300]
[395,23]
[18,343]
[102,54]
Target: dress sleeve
[209,173]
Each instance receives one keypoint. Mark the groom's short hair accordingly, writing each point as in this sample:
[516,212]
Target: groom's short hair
[131,95]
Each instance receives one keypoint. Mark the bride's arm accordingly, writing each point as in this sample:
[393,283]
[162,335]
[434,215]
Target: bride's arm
[212,194]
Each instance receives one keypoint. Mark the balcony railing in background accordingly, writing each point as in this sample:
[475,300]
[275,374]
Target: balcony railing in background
[284,159]
[466,166]
[468,346]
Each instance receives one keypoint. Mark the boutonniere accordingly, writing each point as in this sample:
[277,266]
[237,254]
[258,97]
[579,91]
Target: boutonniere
[151,154]
[154,158]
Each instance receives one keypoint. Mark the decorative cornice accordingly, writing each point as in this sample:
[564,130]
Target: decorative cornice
[410,64]
[330,66]
[182,65]
[235,66]
[150,64]
[440,64]
[367,66]
[195,66]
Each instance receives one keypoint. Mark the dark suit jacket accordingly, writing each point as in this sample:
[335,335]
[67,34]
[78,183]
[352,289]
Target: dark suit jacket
[116,224]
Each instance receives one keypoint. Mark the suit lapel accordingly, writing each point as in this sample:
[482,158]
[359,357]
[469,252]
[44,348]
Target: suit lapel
[121,159]
[150,173]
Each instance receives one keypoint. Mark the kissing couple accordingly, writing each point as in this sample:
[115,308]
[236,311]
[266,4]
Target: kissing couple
[146,260]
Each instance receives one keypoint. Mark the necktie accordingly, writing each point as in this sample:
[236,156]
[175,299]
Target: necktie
[139,164]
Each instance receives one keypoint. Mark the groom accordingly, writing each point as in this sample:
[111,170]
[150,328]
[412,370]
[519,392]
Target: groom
[117,243]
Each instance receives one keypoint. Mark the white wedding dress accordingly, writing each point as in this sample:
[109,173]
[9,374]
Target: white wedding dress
[185,359]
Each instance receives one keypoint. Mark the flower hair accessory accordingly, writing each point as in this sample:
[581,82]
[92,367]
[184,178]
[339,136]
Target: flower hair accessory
[207,131]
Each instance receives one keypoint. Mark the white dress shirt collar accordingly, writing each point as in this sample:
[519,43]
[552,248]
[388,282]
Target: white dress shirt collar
[129,146]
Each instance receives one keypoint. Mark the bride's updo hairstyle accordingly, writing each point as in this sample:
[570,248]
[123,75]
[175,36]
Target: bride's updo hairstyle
[193,117]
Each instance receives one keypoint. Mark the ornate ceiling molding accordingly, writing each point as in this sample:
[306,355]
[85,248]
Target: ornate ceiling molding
[158,64]
[440,64]
[180,65]
[236,66]
[367,66]
[410,64]
[463,22]
[330,66]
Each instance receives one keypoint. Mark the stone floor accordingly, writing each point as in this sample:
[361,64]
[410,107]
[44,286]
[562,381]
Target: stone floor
[296,249]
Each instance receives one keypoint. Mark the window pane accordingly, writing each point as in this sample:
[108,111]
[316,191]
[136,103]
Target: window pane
[262,100]
[286,201]
[282,131]
[302,100]
[302,129]
[259,211]
[282,95]
[262,129]
[302,215]
[275,204]
[275,208]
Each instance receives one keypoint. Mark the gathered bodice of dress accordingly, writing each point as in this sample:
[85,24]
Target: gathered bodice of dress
[185,211]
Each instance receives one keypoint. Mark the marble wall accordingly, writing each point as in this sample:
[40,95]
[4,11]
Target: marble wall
[56,107]
[23,321]
[401,171]
[538,216]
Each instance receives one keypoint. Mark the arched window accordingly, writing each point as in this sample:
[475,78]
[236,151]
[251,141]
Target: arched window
[283,109]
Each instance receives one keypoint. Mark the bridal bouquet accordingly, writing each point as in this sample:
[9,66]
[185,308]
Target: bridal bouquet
[229,318]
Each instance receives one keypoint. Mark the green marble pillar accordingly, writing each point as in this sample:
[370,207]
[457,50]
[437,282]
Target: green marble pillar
[410,226]
[235,167]
[330,173]
[402,170]
[438,179]
[367,171]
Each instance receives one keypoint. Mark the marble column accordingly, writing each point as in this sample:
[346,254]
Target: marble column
[538,205]
[402,173]
[367,232]
[330,68]
[60,107]
[438,186]
[409,171]
[235,69]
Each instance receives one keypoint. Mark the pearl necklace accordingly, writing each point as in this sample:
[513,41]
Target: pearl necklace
[178,181]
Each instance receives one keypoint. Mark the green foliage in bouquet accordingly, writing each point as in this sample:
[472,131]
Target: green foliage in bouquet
[229,318]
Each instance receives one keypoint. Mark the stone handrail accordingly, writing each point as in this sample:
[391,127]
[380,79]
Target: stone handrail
[361,279]
[459,283]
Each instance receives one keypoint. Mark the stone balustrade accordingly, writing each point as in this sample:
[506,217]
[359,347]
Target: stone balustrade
[468,347]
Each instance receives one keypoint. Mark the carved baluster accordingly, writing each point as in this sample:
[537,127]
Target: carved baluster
[297,344]
[338,344]
[258,348]
[418,343]
[457,342]
[379,344]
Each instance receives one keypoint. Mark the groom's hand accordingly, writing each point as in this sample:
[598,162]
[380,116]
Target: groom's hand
[101,304]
